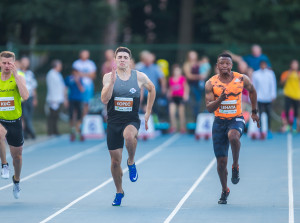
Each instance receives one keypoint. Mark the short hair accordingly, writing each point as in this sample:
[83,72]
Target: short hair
[123,49]
[225,55]
[8,54]
[55,63]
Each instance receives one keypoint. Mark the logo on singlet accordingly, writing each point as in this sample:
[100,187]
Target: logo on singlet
[132,90]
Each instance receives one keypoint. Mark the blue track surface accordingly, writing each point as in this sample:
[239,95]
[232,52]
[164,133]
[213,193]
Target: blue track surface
[71,182]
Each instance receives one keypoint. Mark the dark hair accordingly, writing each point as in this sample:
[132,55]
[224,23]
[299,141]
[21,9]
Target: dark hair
[225,55]
[263,61]
[123,49]
[55,63]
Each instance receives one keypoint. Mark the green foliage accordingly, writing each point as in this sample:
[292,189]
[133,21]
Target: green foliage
[260,21]
[55,21]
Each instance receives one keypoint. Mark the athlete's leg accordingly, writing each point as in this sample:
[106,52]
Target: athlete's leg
[234,140]
[130,135]
[222,171]
[172,112]
[16,154]
[2,145]
[116,170]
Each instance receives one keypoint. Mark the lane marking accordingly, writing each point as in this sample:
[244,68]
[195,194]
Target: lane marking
[144,158]
[190,191]
[63,162]
[33,147]
[290,178]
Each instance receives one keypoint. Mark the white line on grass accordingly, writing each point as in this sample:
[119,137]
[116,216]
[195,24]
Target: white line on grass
[63,162]
[144,158]
[191,190]
[290,178]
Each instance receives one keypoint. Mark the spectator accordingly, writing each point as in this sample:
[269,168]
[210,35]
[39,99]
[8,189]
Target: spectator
[178,94]
[74,83]
[86,68]
[143,55]
[156,76]
[191,71]
[264,81]
[28,106]
[253,60]
[204,71]
[56,96]
[109,59]
[290,80]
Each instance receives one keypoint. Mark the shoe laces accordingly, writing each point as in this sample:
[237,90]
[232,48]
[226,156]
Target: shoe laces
[235,171]
[17,187]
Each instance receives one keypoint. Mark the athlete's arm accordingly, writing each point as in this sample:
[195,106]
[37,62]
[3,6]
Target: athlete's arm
[145,82]
[108,87]
[211,103]
[253,98]
[20,81]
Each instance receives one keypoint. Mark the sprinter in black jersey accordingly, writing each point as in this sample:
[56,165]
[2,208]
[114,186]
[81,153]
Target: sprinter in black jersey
[121,93]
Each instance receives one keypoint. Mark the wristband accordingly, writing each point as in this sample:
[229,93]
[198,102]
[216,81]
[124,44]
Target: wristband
[254,111]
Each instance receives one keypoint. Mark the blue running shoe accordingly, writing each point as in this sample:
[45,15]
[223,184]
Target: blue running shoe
[133,175]
[118,199]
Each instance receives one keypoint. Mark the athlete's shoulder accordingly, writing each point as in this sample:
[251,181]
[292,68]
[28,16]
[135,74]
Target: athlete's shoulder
[214,79]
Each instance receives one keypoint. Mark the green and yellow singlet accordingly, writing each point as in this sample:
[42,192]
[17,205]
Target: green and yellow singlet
[10,99]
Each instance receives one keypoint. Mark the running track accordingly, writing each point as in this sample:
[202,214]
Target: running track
[178,182]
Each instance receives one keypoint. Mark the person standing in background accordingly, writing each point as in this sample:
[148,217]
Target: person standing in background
[74,83]
[290,79]
[86,69]
[178,94]
[191,71]
[264,81]
[29,105]
[56,96]
[109,59]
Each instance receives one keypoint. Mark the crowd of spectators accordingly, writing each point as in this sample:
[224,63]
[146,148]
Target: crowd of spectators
[180,88]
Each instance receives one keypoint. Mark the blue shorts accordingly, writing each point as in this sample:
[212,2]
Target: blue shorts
[220,131]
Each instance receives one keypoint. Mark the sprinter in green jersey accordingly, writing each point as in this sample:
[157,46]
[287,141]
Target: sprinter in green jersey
[12,89]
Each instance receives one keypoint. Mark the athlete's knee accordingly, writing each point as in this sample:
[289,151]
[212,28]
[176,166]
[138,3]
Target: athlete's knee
[129,137]
[234,137]
[115,162]
[222,163]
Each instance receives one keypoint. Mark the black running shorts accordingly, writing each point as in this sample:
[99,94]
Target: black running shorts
[115,139]
[14,135]
[220,131]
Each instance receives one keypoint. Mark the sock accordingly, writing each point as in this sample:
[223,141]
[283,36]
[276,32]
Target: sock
[15,181]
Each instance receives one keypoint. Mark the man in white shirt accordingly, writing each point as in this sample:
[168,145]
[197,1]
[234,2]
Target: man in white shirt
[264,81]
[87,70]
[56,95]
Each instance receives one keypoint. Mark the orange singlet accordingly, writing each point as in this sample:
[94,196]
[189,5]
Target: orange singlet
[232,106]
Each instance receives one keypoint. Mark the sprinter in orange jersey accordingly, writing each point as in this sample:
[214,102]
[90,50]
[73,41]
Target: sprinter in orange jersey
[223,96]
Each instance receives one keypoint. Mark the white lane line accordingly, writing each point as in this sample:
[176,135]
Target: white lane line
[190,191]
[290,178]
[144,158]
[63,162]
[31,148]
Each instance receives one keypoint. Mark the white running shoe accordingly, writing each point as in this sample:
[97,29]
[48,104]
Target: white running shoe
[5,171]
[16,189]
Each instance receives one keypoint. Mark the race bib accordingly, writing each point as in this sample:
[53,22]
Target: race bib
[7,103]
[123,104]
[228,107]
